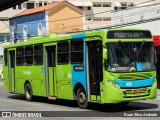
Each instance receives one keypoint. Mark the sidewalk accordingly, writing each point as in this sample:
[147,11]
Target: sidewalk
[158,92]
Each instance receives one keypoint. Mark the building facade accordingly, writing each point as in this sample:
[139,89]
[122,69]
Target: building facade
[45,20]
[146,17]
[97,12]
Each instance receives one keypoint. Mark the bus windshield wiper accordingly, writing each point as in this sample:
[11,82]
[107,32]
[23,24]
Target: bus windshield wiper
[123,46]
[141,46]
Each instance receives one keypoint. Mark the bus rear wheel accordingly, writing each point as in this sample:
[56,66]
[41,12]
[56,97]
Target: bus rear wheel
[28,92]
[81,98]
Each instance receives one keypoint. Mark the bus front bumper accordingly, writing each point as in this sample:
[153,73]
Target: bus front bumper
[110,94]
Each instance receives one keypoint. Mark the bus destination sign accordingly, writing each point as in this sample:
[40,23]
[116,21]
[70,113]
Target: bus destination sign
[128,34]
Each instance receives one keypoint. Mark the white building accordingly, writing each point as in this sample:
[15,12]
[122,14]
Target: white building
[97,12]
[147,17]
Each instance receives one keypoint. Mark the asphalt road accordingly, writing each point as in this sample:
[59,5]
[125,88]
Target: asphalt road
[65,108]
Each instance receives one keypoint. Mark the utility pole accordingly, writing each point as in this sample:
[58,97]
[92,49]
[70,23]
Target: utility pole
[15,32]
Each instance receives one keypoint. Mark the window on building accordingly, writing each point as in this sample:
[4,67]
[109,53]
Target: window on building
[1,38]
[40,29]
[63,52]
[38,54]
[115,8]
[25,29]
[97,19]
[20,56]
[80,7]
[130,4]
[25,33]
[106,18]
[88,8]
[88,18]
[14,7]
[45,3]
[76,51]
[40,3]
[8,38]
[97,4]
[106,4]
[19,6]
[30,5]
[29,55]
[123,5]
[24,5]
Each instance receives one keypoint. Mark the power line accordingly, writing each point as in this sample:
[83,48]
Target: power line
[98,12]
[95,22]
[90,23]
[89,14]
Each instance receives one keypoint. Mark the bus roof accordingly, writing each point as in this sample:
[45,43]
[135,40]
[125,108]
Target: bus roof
[59,37]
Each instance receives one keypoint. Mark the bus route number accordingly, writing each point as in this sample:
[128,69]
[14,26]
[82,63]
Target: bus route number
[78,68]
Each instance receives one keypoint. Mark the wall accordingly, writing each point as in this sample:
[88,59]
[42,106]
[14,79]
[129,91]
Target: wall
[64,26]
[139,14]
[31,21]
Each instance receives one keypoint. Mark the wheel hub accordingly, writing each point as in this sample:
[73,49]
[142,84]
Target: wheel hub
[82,97]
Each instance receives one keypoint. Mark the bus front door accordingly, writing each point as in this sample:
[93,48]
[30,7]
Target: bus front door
[94,61]
[50,71]
[11,70]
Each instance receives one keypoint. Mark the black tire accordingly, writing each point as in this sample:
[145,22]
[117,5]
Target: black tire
[28,92]
[81,98]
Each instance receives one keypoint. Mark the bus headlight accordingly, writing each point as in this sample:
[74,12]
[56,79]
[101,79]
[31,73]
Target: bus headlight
[110,82]
[116,85]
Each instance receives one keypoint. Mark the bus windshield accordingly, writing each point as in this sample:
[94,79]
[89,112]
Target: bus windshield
[130,56]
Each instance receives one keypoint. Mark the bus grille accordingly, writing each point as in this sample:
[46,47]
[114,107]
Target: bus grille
[137,76]
[130,93]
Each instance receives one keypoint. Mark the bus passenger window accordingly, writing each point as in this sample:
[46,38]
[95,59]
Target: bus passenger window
[76,51]
[38,54]
[28,55]
[63,52]
[5,56]
[19,56]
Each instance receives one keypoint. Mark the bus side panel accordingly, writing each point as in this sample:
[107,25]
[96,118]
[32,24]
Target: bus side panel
[34,75]
[80,76]
[5,79]
[5,70]
[64,84]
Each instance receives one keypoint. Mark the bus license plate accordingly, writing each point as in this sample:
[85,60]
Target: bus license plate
[137,91]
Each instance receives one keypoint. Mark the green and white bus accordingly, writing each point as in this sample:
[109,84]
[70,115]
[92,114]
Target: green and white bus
[103,66]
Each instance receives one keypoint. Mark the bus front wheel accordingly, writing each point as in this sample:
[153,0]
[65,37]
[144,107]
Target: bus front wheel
[28,92]
[81,98]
